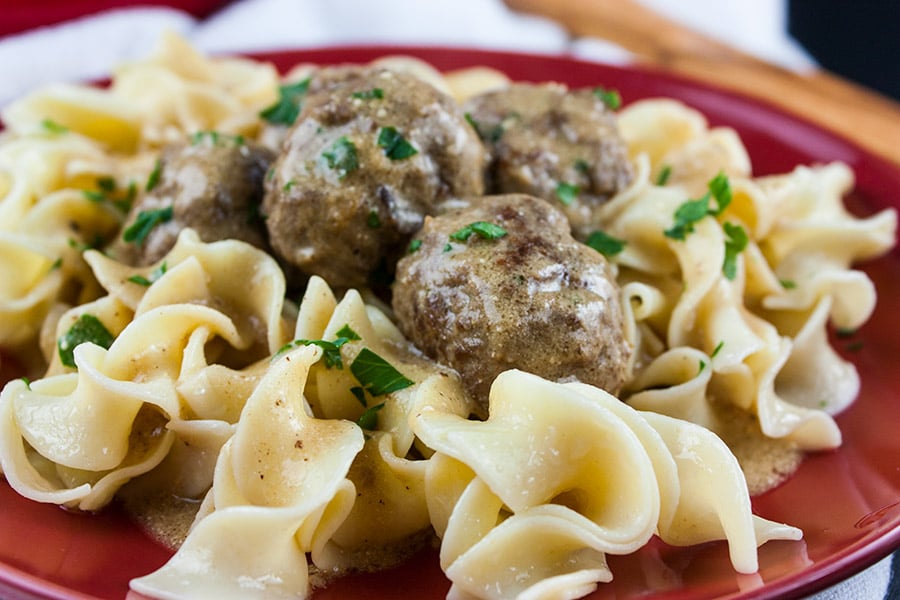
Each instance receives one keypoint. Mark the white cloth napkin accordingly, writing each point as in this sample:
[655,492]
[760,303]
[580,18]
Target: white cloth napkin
[89,47]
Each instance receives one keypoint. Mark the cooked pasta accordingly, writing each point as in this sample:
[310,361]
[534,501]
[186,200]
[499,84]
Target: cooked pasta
[325,441]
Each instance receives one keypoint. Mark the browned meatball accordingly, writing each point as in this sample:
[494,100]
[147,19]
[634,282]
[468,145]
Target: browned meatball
[367,159]
[553,143]
[526,296]
[213,184]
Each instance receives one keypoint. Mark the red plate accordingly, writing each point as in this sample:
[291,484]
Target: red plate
[847,501]
[22,15]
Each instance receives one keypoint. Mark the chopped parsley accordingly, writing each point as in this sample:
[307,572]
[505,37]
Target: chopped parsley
[494,133]
[664,175]
[154,276]
[287,186]
[376,375]
[373,94]
[155,174]
[359,394]
[331,351]
[717,349]
[51,126]
[567,192]
[395,146]
[414,245]
[146,220]
[287,108]
[369,419]
[611,98]
[342,157]
[582,166]
[373,220]
[87,328]
[692,211]
[106,193]
[788,284]
[483,229]
[605,244]
[735,241]
[216,138]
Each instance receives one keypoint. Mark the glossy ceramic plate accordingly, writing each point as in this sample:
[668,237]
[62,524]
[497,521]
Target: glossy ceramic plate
[846,501]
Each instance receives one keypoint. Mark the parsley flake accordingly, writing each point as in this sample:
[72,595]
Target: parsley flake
[605,244]
[664,175]
[693,211]
[395,146]
[373,94]
[373,220]
[331,351]
[611,98]
[567,192]
[360,395]
[788,284]
[717,349]
[287,108]
[146,220]
[483,229]
[87,328]
[414,245]
[155,174]
[216,139]
[154,276]
[51,126]
[735,241]
[342,157]
[369,419]
[376,375]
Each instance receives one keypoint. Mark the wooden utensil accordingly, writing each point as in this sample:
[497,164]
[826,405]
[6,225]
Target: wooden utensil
[866,117]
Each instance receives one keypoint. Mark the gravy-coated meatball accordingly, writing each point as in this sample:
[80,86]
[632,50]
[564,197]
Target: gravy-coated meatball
[213,184]
[554,143]
[526,296]
[367,159]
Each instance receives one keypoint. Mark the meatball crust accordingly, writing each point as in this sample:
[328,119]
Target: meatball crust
[554,143]
[369,156]
[534,299]
[213,185]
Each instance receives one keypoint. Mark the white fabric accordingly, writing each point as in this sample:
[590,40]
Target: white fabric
[89,47]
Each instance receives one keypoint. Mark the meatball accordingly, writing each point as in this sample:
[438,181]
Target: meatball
[554,143]
[213,185]
[369,156]
[502,284]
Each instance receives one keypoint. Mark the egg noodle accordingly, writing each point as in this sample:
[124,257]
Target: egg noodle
[198,391]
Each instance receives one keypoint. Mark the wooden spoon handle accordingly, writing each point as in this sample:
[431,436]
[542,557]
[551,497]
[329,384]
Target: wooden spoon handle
[863,116]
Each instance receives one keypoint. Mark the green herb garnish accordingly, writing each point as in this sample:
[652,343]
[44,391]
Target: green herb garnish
[377,375]
[369,419]
[373,94]
[605,244]
[290,98]
[87,328]
[360,395]
[373,220]
[788,284]
[610,98]
[735,241]
[146,220]
[216,138]
[414,245]
[342,157]
[394,144]
[51,126]
[717,349]
[155,174]
[567,192]
[582,166]
[106,188]
[154,276]
[331,351]
[483,229]
[664,175]
[693,211]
